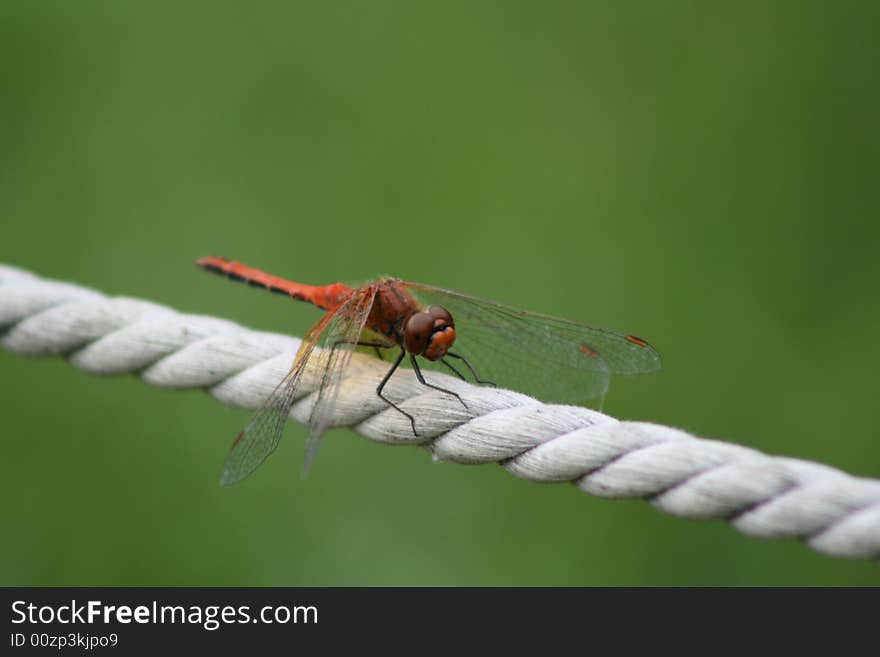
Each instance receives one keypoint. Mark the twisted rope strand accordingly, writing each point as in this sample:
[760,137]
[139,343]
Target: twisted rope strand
[679,474]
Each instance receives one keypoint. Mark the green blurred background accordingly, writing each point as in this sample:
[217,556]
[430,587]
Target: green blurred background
[702,175]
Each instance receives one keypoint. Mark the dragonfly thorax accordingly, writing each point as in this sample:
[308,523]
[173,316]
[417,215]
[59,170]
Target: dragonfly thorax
[430,333]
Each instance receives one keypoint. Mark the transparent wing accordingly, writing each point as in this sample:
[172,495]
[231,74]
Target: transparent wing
[339,340]
[260,436]
[547,357]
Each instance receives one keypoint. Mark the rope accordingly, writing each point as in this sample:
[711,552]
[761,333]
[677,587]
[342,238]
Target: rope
[762,496]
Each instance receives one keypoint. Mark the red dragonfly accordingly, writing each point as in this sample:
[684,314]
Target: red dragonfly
[550,358]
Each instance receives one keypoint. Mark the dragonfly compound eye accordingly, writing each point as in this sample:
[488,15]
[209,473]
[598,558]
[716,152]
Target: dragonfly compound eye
[439,312]
[429,335]
[417,332]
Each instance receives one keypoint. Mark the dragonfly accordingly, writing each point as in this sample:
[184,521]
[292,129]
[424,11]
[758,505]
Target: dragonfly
[550,358]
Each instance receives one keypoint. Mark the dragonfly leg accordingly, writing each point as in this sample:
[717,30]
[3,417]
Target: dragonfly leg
[472,370]
[421,378]
[360,343]
[454,371]
[394,367]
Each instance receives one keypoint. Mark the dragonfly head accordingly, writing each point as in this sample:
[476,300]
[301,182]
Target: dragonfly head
[429,333]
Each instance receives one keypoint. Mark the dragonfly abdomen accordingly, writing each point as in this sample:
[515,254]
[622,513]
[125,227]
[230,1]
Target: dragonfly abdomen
[327,297]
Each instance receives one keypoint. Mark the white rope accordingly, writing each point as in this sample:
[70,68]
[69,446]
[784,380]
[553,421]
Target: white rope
[762,496]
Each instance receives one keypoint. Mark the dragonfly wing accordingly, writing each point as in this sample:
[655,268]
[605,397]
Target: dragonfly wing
[338,341]
[261,435]
[547,357]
